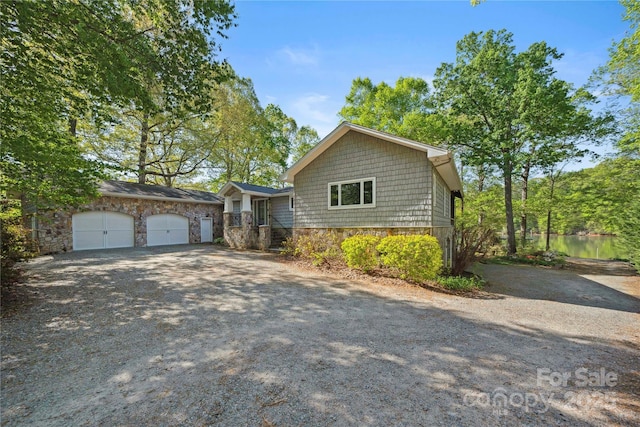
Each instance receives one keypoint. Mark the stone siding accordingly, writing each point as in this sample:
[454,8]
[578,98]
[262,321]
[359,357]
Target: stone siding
[55,232]
[246,236]
[403,185]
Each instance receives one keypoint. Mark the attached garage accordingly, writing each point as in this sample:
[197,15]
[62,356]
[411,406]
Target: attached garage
[102,230]
[129,214]
[167,229]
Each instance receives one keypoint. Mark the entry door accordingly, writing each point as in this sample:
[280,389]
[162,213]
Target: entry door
[167,229]
[261,212]
[206,230]
[102,230]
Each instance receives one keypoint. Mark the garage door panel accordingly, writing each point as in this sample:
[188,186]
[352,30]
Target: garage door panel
[118,221]
[167,229]
[86,240]
[156,222]
[179,237]
[102,230]
[175,222]
[119,239]
[89,221]
[157,237]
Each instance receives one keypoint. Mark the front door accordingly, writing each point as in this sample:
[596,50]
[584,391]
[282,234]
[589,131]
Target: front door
[206,230]
[260,212]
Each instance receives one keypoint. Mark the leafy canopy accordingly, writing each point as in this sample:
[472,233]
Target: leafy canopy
[62,59]
[506,109]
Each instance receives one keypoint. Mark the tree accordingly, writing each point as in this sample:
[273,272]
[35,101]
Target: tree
[174,150]
[506,109]
[61,60]
[252,144]
[621,78]
[630,233]
[305,139]
[403,110]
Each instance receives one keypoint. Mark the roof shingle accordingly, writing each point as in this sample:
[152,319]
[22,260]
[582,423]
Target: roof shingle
[156,192]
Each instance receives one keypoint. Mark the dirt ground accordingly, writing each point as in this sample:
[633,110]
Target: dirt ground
[200,335]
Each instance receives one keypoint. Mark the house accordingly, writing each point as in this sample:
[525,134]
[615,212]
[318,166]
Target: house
[256,216]
[359,180]
[129,214]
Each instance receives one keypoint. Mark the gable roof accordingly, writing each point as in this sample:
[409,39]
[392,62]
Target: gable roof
[441,159]
[134,190]
[254,190]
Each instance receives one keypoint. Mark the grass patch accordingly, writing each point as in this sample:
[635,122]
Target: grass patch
[460,283]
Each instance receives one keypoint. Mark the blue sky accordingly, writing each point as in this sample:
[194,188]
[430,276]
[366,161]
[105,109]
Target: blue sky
[303,55]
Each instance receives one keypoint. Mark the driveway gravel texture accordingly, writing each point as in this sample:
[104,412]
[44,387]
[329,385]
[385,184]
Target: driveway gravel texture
[202,335]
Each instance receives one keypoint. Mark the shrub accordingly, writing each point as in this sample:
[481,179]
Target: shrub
[460,283]
[472,239]
[219,241]
[318,247]
[416,257]
[15,241]
[360,251]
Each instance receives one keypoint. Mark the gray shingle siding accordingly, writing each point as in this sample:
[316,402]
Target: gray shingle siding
[403,185]
[281,216]
[442,206]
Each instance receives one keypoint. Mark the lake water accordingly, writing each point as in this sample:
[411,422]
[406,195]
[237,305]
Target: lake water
[601,247]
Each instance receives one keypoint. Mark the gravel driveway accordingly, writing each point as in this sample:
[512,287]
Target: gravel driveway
[200,335]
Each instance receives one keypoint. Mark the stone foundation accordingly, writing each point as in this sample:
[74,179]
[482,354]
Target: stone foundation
[264,237]
[246,236]
[54,228]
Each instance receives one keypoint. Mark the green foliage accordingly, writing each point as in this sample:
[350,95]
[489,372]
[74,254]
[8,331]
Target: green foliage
[624,64]
[219,241]
[15,243]
[630,233]
[416,257]
[472,241]
[304,141]
[256,145]
[62,60]
[597,199]
[532,257]
[318,247]
[506,110]
[360,251]
[460,283]
[404,110]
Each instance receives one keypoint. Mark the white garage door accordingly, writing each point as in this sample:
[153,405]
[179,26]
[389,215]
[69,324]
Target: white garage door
[102,230]
[167,229]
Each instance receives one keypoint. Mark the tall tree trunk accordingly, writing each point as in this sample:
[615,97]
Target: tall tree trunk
[552,178]
[481,178]
[523,210]
[73,124]
[142,153]
[546,246]
[508,205]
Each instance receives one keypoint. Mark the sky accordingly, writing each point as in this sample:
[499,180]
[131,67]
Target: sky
[304,55]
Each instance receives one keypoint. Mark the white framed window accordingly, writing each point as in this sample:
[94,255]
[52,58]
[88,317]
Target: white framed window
[352,194]
[291,202]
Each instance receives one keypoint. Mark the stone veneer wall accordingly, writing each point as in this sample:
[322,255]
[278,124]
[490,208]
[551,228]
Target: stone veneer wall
[246,236]
[55,232]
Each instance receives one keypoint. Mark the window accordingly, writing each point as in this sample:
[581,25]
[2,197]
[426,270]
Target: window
[352,194]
